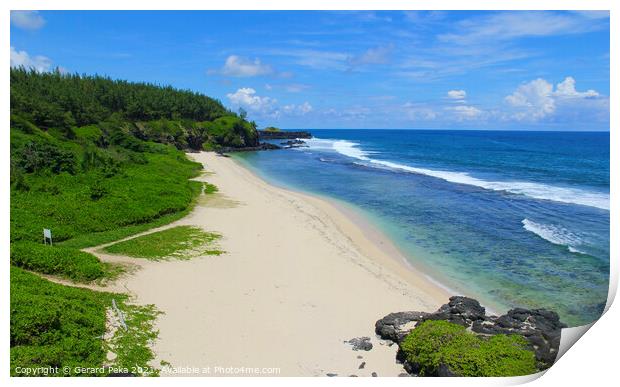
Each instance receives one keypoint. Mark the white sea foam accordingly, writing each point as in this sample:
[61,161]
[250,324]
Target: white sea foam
[531,189]
[554,234]
[574,250]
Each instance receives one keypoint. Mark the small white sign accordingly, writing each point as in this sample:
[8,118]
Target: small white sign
[47,236]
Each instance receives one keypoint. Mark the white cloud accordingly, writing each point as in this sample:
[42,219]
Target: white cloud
[594,14]
[458,95]
[22,58]
[296,88]
[305,108]
[418,112]
[375,55]
[285,74]
[464,112]
[236,66]
[302,109]
[566,89]
[535,98]
[317,59]
[246,97]
[510,25]
[29,20]
[371,16]
[538,99]
[424,17]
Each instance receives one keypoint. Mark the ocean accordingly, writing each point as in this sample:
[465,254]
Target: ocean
[511,218]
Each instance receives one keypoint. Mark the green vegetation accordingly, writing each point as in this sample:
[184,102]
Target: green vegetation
[71,104]
[54,325]
[95,160]
[69,263]
[271,129]
[131,347]
[179,242]
[61,326]
[435,343]
[209,188]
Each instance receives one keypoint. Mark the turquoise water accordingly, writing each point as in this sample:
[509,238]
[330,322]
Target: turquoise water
[511,218]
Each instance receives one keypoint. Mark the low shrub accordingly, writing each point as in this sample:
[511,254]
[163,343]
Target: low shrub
[65,262]
[435,344]
[54,325]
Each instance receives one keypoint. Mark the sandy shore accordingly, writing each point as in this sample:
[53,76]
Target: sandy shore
[299,277]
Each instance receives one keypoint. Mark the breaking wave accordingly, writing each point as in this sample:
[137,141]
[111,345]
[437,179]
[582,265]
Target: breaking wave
[530,189]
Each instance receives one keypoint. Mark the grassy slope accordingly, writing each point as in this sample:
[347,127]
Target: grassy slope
[180,242]
[140,195]
[96,160]
[91,184]
[61,323]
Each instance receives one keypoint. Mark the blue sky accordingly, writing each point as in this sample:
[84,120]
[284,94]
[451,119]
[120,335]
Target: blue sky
[355,69]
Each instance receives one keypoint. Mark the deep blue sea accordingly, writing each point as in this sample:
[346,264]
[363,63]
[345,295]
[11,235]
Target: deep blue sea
[510,218]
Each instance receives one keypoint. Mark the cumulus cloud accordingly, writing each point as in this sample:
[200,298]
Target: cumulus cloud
[39,63]
[535,98]
[539,99]
[457,95]
[29,20]
[263,106]
[236,66]
[246,97]
[566,89]
[465,112]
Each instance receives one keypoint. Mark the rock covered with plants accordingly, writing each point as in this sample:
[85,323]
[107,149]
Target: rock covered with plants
[460,339]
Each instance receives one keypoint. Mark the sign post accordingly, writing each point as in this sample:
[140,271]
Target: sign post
[47,236]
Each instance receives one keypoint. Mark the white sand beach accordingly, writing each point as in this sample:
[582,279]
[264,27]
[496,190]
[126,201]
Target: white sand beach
[299,277]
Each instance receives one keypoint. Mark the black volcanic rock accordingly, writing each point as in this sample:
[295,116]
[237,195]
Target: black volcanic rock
[294,143]
[360,343]
[395,326]
[282,135]
[460,310]
[540,327]
[259,147]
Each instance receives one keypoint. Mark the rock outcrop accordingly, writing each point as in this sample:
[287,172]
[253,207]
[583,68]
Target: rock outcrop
[259,147]
[540,327]
[360,343]
[282,135]
[293,144]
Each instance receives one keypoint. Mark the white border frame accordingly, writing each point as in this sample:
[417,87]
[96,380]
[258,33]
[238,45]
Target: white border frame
[592,360]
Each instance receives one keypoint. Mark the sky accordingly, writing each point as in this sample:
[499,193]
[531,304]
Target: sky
[509,70]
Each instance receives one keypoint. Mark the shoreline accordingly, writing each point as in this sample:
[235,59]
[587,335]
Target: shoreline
[359,229]
[297,280]
[344,211]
